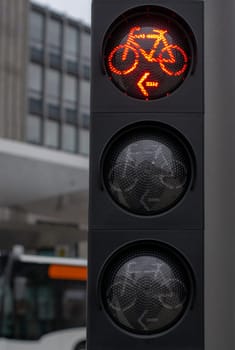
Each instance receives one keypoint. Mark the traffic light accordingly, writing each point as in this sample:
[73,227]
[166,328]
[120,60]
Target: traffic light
[146,210]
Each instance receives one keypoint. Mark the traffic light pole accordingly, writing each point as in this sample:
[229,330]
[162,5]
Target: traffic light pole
[219,174]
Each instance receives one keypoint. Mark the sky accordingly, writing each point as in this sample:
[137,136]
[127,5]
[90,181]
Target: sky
[78,9]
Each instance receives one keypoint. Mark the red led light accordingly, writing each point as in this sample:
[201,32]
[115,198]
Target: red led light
[125,71]
[169,49]
[166,55]
[143,81]
[150,60]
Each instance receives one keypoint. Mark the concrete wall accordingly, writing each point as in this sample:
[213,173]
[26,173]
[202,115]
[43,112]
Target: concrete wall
[13,58]
[220,175]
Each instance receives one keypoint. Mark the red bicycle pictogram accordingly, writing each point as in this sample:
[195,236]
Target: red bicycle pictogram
[171,56]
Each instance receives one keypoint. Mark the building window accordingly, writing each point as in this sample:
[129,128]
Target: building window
[71,66]
[52,134]
[69,142]
[35,81]
[85,120]
[33,132]
[55,58]
[36,26]
[86,72]
[36,34]
[86,45]
[70,98]
[54,42]
[54,33]
[53,87]
[83,137]
[71,42]
[35,105]
[70,89]
[84,94]
[53,83]
[37,54]
[71,114]
[35,78]
[71,49]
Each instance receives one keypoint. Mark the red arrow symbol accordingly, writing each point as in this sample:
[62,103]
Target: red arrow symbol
[147,84]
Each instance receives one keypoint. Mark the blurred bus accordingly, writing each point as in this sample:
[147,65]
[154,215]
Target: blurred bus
[42,302]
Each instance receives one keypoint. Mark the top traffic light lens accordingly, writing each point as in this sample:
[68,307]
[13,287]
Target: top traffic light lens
[148,53]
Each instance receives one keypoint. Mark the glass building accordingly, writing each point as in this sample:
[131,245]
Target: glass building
[58,81]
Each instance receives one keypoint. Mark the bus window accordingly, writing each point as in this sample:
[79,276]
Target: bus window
[36,304]
[24,309]
[1,296]
[7,312]
[74,307]
[2,268]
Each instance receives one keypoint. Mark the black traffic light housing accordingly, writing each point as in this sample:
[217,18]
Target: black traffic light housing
[124,224]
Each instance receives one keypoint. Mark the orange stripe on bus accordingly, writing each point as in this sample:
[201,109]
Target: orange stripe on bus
[68,272]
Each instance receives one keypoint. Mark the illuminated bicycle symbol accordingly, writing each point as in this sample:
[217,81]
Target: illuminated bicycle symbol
[169,55]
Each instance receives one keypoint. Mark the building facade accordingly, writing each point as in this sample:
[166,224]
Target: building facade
[44,77]
[58,89]
[44,127]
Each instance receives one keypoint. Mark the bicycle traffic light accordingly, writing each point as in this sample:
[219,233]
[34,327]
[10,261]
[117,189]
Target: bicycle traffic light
[146,211]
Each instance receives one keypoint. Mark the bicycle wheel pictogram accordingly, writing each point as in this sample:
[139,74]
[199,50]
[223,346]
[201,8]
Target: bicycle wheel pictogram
[125,64]
[176,64]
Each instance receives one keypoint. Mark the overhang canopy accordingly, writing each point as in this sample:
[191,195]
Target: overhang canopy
[30,173]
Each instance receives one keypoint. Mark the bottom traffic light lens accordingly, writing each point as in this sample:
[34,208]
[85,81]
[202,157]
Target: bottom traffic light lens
[146,288]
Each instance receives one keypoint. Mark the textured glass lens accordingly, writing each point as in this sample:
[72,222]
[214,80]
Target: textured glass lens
[145,289]
[148,53]
[147,170]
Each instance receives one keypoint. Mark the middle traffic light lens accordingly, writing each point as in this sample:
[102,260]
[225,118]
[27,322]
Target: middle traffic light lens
[147,170]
